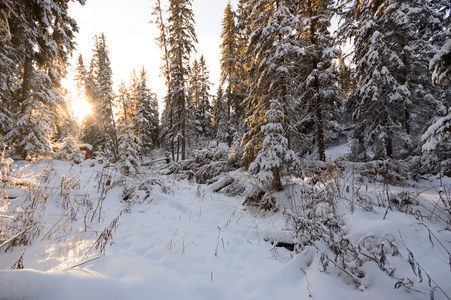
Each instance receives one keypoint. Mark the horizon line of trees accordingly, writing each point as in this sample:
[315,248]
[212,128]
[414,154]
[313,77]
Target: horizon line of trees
[286,90]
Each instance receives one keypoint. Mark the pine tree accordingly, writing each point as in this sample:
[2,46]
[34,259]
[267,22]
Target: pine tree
[167,117]
[200,101]
[318,79]
[438,135]
[441,63]
[219,117]
[36,41]
[146,119]
[392,46]
[124,105]
[86,87]
[274,158]
[229,67]
[69,153]
[180,42]
[100,128]
[128,152]
[274,50]
[243,57]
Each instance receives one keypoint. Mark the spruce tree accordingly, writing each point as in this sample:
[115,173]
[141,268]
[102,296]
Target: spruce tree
[274,159]
[219,119]
[69,153]
[200,102]
[318,79]
[441,63]
[128,152]
[124,105]
[146,119]
[393,42]
[229,69]
[274,50]
[180,42]
[100,128]
[36,41]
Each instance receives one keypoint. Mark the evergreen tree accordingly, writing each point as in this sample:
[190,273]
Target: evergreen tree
[167,117]
[128,152]
[85,87]
[146,120]
[438,135]
[318,79]
[229,69]
[219,119]
[441,63]
[69,153]
[123,102]
[36,40]
[100,128]
[274,158]
[200,101]
[180,42]
[274,50]
[393,42]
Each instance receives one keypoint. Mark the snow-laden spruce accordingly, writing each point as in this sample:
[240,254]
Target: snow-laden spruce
[275,159]
[394,100]
[69,153]
[441,63]
[128,152]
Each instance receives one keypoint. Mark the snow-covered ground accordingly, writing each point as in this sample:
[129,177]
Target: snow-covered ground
[180,240]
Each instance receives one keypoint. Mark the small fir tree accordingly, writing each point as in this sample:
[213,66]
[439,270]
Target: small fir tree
[69,153]
[274,159]
[128,163]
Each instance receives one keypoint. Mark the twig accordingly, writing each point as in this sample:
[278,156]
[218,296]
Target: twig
[84,262]
[17,235]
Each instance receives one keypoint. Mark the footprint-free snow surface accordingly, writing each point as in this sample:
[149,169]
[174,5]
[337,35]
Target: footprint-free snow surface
[181,240]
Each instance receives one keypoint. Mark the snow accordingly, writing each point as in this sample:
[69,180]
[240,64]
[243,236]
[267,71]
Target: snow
[436,133]
[440,71]
[188,242]
[337,152]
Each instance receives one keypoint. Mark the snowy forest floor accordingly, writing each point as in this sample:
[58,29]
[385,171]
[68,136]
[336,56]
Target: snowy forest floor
[176,239]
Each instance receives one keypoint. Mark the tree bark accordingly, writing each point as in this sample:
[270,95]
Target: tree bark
[320,133]
[26,82]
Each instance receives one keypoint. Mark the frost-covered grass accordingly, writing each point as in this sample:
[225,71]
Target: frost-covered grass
[176,239]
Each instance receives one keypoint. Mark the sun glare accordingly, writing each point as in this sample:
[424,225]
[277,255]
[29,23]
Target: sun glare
[81,108]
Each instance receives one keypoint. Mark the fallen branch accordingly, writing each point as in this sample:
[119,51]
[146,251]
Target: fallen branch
[222,183]
[84,262]
[146,164]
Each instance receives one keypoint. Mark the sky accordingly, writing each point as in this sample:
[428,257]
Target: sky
[131,38]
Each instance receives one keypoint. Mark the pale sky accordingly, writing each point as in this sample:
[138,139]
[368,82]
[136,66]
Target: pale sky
[131,38]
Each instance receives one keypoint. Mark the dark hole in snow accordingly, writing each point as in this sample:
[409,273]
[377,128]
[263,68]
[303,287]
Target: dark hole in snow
[288,246]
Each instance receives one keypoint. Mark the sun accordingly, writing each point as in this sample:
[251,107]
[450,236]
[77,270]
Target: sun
[81,108]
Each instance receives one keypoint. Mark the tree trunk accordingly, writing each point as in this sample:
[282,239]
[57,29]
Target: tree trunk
[389,145]
[276,184]
[320,133]
[26,82]
[407,119]
[229,115]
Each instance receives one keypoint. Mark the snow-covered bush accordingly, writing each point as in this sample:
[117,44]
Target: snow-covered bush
[206,164]
[5,163]
[69,153]
[321,216]
[316,225]
[24,219]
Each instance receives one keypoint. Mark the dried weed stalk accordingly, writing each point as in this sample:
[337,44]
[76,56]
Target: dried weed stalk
[105,237]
